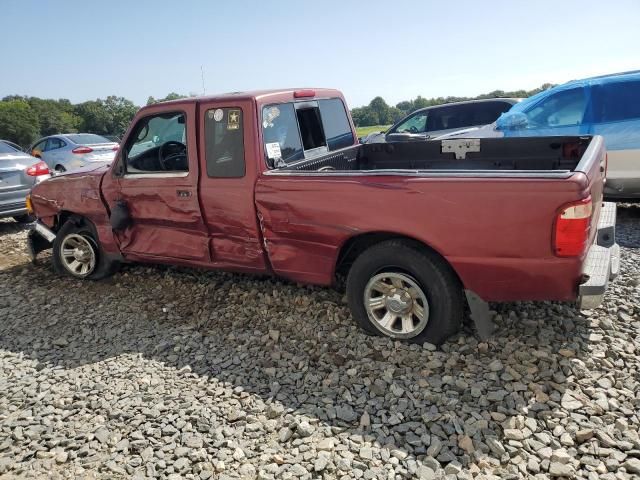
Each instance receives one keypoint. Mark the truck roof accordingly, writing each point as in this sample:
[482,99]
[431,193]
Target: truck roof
[264,96]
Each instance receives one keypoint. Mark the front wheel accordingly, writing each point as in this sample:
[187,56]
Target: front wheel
[76,252]
[401,291]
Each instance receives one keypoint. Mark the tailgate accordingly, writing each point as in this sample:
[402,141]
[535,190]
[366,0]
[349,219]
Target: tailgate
[594,166]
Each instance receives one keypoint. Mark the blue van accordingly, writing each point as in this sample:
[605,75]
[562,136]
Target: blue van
[607,105]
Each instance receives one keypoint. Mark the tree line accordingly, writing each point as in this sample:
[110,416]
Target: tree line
[378,112]
[24,119]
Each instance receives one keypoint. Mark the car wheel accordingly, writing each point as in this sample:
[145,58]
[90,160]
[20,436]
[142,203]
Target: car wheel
[77,253]
[401,291]
[26,218]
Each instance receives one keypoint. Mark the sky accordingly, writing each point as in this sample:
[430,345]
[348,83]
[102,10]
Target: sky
[83,50]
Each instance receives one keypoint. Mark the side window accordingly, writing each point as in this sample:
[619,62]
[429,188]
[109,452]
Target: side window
[158,144]
[280,130]
[335,122]
[224,143]
[54,144]
[615,102]
[415,124]
[562,109]
[488,112]
[39,147]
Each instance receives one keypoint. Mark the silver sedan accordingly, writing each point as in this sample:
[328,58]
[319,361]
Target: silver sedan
[19,172]
[71,151]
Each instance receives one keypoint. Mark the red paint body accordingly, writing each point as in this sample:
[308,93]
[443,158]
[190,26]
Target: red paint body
[496,233]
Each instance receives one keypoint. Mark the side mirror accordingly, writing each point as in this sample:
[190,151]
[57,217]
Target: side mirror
[512,121]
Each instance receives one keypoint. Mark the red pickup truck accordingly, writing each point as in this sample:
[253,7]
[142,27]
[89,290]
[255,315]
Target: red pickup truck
[275,182]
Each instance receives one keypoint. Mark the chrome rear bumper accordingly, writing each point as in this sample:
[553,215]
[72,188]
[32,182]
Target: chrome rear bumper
[603,260]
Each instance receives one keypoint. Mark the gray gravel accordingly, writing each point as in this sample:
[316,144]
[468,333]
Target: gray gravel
[177,373]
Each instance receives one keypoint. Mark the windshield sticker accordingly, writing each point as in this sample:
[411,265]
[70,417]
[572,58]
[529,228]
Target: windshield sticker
[217,115]
[233,120]
[269,116]
[273,150]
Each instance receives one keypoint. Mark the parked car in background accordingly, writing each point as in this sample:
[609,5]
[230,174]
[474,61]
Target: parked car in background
[18,173]
[13,145]
[71,151]
[607,105]
[275,182]
[433,121]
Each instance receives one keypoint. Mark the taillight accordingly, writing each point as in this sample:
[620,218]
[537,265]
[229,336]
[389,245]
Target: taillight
[38,169]
[572,228]
[81,150]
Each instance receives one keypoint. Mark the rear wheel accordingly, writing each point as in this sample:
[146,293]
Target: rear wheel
[26,218]
[403,292]
[76,252]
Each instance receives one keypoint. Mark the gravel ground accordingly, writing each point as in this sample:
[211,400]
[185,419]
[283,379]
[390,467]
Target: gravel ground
[177,373]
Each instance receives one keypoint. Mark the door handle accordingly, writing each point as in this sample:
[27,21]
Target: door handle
[183,193]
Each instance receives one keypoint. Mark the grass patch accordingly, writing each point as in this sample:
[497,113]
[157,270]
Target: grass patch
[364,131]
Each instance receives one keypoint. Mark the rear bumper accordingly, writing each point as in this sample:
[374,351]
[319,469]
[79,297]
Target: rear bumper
[12,211]
[603,260]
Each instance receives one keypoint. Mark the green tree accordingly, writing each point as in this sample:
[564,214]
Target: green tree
[171,96]
[121,112]
[18,122]
[381,110]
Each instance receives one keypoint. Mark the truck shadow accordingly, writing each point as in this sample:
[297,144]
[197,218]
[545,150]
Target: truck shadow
[296,348]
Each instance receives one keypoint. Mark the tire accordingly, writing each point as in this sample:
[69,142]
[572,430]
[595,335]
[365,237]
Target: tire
[79,236]
[420,290]
[26,218]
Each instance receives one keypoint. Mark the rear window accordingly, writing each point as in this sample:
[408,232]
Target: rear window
[4,148]
[614,102]
[335,121]
[293,131]
[87,139]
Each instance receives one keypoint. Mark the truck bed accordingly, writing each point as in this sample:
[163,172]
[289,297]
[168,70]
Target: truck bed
[490,215]
[546,156]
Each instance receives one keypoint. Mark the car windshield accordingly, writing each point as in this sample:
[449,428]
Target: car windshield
[87,139]
[4,148]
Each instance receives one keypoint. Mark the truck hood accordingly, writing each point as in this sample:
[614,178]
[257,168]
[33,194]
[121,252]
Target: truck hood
[73,191]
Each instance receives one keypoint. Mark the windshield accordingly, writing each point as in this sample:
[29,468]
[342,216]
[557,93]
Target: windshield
[87,139]
[4,148]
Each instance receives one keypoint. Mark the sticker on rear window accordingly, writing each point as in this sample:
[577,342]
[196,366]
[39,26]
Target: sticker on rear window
[270,115]
[218,114]
[273,150]
[233,120]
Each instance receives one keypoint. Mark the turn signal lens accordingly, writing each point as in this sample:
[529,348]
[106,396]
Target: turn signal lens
[29,205]
[572,228]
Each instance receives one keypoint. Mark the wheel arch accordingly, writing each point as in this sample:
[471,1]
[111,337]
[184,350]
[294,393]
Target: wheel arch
[356,245]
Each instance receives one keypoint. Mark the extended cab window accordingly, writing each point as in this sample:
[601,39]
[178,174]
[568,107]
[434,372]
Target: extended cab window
[158,144]
[224,143]
[293,131]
